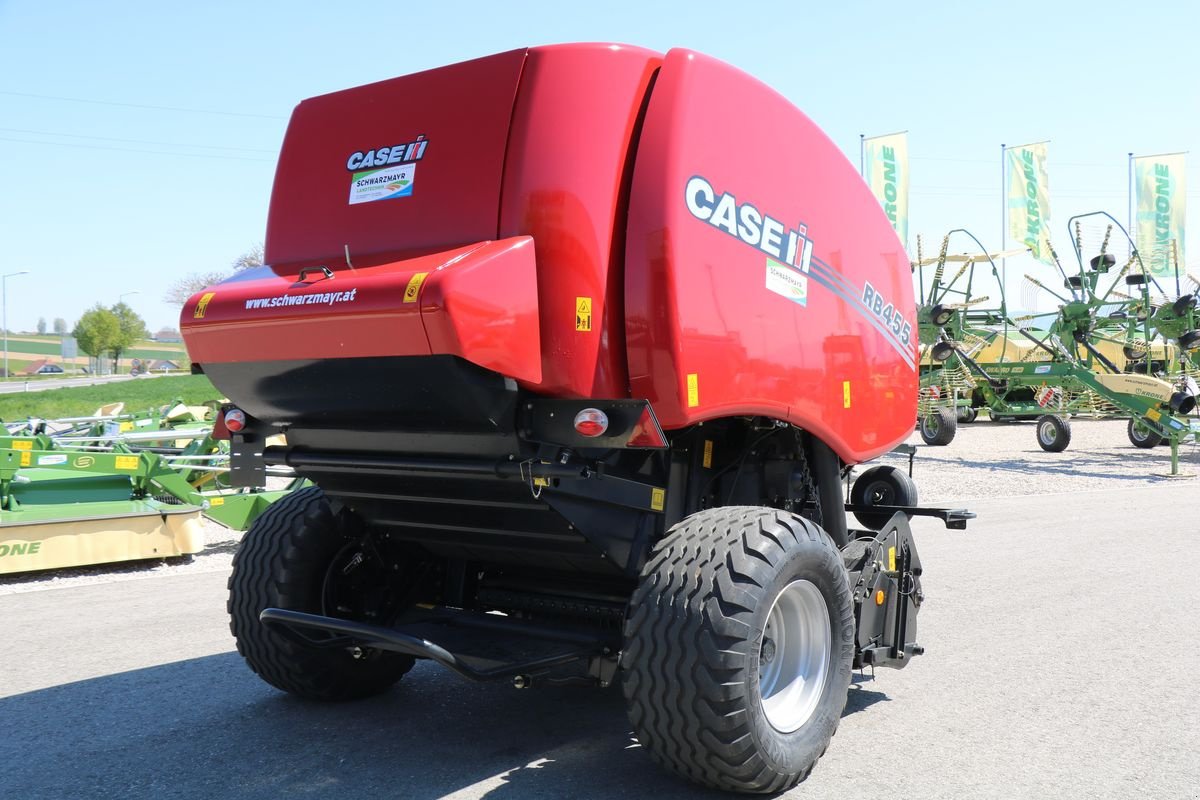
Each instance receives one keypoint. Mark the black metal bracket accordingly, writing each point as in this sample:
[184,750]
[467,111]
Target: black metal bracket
[955,518]
[325,271]
[518,648]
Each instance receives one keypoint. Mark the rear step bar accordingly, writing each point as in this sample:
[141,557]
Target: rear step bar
[479,647]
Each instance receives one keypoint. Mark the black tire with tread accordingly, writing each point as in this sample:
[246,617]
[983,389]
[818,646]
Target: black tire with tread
[1061,437]
[692,641]
[281,563]
[884,486]
[1141,436]
[939,426]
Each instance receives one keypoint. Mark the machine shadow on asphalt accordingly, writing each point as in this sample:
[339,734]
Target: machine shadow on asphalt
[208,727]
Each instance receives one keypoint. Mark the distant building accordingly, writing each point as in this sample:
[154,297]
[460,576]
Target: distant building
[163,365]
[168,335]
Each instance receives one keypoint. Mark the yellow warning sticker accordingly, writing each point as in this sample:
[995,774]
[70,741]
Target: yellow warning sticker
[891,559]
[541,482]
[658,499]
[216,501]
[125,426]
[708,453]
[583,313]
[202,305]
[414,287]
[1154,415]
[26,458]
[125,462]
[845,394]
[22,445]
[693,383]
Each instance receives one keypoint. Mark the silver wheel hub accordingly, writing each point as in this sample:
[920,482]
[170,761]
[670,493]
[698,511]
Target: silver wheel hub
[794,656]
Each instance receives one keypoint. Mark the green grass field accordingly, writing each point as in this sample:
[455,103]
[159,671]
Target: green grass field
[139,394]
[36,344]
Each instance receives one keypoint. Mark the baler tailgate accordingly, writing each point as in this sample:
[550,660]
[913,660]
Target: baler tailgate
[478,302]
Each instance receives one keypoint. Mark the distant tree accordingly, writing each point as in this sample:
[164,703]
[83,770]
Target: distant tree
[41,324]
[182,289]
[60,326]
[251,258]
[131,329]
[179,291]
[97,330]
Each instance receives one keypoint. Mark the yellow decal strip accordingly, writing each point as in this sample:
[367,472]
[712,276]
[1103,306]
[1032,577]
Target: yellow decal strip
[414,287]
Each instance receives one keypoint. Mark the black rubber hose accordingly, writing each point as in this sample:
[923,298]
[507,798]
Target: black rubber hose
[827,472]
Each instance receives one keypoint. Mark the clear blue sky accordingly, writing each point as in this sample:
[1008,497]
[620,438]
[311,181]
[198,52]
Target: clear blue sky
[137,139]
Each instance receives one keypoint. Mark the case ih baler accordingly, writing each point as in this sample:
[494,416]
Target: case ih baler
[577,344]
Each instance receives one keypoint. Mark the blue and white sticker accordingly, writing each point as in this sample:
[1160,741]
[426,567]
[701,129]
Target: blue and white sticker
[382,184]
[1041,370]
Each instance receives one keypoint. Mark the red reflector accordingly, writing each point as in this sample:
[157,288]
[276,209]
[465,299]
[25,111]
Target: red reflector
[647,433]
[235,420]
[591,422]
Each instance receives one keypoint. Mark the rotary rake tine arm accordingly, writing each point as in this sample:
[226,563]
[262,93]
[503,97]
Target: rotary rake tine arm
[947,287]
[1061,271]
[1044,288]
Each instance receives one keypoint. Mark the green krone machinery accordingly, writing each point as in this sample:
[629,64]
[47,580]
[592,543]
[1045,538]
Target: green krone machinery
[1111,348]
[116,487]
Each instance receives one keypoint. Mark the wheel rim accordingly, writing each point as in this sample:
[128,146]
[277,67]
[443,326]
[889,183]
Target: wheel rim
[932,425]
[1049,432]
[794,656]
[880,494]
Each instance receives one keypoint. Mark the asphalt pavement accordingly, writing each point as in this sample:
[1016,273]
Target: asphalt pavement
[1060,662]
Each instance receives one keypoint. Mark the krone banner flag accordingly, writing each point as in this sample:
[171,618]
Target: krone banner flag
[885,166]
[1029,199]
[1161,205]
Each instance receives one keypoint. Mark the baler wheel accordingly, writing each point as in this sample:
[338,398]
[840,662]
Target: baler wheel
[1053,433]
[966,414]
[738,648]
[939,426]
[282,562]
[881,486]
[1142,436]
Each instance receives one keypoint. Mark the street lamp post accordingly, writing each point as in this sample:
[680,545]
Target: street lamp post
[120,299]
[4,311]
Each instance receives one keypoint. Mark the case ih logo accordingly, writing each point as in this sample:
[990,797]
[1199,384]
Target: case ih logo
[382,156]
[747,223]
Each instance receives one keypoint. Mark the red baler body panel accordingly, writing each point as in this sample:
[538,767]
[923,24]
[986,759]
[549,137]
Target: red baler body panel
[478,302]
[565,182]
[592,221]
[462,112]
[719,321]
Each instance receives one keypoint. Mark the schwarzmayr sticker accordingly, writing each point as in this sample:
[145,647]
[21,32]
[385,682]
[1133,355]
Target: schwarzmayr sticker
[384,173]
[382,184]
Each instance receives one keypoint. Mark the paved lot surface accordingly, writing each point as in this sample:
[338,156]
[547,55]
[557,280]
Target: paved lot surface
[1061,662]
